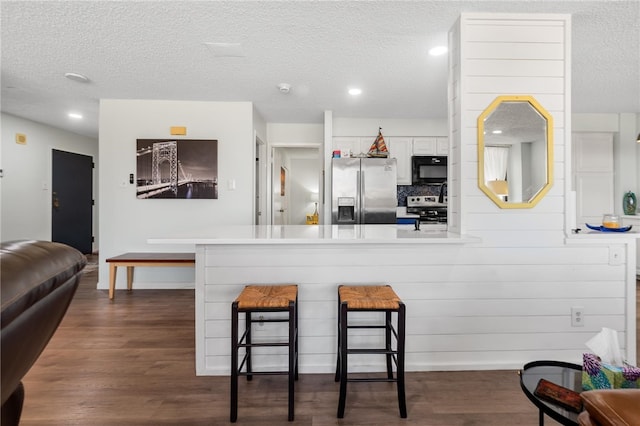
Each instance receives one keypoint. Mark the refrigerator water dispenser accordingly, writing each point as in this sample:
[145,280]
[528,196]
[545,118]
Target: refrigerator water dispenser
[346,209]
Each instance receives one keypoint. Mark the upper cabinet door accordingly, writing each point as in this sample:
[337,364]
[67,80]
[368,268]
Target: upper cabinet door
[345,145]
[442,146]
[431,145]
[425,146]
[400,149]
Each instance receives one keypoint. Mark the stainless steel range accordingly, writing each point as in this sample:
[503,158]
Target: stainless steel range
[428,207]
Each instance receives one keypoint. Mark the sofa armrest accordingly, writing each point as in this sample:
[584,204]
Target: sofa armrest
[611,407]
[38,281]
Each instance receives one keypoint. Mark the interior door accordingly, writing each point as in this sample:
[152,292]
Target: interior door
[72,200]
[593,178]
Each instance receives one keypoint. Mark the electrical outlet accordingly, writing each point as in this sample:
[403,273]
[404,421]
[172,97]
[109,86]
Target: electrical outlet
[616,255]
[577,316]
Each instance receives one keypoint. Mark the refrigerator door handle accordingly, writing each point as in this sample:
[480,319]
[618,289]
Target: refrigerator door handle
[361,218]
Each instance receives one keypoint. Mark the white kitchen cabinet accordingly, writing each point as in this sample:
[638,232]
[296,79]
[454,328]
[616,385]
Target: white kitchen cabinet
[400,149]
[347,144]
[353,144]
[635,222]
[431,145]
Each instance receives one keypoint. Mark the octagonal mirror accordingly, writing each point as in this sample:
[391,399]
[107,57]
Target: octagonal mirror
[515,151]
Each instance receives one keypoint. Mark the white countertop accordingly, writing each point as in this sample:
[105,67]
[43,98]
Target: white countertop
[312,234]
[401,212]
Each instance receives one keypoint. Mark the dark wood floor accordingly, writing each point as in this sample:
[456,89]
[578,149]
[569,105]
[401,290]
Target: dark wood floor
[132,363]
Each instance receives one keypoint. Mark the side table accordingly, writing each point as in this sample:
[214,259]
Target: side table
[562,373]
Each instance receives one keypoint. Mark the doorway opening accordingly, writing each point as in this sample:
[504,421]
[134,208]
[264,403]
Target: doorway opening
[295,184]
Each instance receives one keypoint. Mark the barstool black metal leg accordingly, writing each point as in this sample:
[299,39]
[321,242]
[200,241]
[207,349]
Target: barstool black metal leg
[338,357]
[248,327]
[296,339]
[402,403]
[292,356]
[387,337]
[233,416]
[343,360]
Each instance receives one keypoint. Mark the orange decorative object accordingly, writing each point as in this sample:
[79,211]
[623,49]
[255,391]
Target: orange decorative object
[610,221]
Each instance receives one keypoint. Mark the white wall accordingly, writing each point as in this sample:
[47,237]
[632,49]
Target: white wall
[128,222]
[292,134]
[390,127]
[26,181]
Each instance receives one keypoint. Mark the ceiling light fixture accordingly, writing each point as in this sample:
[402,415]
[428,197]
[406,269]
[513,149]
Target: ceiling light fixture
[355,91]
[75,115]
[77,77]
[438,50]
[284,88]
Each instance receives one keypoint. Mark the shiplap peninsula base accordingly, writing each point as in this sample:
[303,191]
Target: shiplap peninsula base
[470,305]
[317,258]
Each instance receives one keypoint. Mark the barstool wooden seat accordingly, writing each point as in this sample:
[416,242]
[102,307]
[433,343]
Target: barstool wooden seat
[263,299]
[372,298]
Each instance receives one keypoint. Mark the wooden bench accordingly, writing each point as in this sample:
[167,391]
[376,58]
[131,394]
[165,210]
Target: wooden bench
[131,260]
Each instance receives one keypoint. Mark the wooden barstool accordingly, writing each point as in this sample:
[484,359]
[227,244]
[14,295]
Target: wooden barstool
[372,298]
[263,299]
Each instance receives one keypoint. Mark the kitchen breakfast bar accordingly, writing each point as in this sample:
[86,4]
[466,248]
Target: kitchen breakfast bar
[318,258]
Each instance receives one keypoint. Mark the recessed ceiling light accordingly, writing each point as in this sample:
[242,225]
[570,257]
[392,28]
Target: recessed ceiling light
[284,88]
[438,50]
[355,91]
[77,77]
[497,132]
[75,115]
[225,50]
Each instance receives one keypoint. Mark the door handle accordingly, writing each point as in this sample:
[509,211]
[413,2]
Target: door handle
[281,210]
[55,202]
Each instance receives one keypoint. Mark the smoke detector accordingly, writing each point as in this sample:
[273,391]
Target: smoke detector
[284,88]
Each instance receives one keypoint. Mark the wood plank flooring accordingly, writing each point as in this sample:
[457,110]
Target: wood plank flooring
[132,363]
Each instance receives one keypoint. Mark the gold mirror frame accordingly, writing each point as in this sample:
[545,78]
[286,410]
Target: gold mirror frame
[497,190]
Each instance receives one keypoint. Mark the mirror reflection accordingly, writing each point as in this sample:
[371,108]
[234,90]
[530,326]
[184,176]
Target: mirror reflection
[515,151]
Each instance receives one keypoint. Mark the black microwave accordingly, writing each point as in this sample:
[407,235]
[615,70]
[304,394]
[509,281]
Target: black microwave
[428,170]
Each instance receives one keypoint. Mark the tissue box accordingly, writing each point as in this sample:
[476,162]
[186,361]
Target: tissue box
[599,375]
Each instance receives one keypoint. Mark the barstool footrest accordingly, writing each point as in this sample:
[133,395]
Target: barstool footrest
[372,351]
[372,379]
[262,345]
[263,373]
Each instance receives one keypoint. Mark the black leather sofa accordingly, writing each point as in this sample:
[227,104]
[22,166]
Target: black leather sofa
[38,280]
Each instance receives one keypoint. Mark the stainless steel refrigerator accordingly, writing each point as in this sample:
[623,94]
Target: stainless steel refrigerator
[363,190]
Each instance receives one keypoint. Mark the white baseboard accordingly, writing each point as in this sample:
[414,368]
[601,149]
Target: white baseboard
[150,286]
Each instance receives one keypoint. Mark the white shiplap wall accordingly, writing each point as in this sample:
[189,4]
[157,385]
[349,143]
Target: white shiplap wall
[463,310]
[495,304]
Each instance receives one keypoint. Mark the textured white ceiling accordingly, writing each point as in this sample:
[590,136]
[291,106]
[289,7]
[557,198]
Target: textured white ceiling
[156,50]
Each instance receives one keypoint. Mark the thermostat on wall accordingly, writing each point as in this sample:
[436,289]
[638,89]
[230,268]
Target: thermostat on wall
[21,138]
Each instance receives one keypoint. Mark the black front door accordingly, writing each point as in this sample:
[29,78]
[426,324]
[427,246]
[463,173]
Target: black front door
[72,200]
